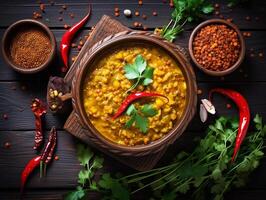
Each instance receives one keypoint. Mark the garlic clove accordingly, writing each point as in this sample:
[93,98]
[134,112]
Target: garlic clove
[203,113]
[208,106]
[127,13]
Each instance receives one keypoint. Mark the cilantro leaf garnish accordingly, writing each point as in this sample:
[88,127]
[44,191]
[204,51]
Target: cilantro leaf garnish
[139,71]
[139,118]
[148,110]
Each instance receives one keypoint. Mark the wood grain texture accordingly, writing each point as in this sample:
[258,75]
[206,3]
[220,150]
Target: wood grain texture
[16,10]
[252,66]
[62,174]
[16,103]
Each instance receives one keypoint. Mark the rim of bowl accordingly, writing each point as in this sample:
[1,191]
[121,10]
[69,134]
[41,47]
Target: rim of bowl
[242,45]
[191,98]
[5,44]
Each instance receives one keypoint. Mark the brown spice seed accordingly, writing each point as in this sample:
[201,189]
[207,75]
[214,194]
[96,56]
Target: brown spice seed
[7,145]
[135,24]
[81,43]
[247,18]
[216,5]
[199,91]
[137,13]
[154,13]
[5,116]
[228,106]
[64,7]
[56,157]
[116,9]
[117,14]
[144,17]
[261,54]
[217,13]
[30,48]
[66,26]
[79,47]
[42,7]
[140,2]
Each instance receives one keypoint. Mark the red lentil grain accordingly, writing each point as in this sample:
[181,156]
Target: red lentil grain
[144,17]
[117,14]
[216,47]
[261,54]
[135,24]
[7,145]
[216,5]
[140,3]
[248,18]
[66,26]
[228,106]
[137,13]
[199,91]
[56,157]
[154,13]
[42,7]
[117,9]
[217,13]
[5,116]
[64,7]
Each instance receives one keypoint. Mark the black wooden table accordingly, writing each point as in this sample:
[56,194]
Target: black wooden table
[16,92]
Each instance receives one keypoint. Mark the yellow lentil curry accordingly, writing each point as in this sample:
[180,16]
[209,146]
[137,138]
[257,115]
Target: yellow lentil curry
[105,89]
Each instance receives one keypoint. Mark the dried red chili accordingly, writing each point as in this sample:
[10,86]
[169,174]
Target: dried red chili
[132,97]
[47,154]
[68,36]
[244,114]
[31,165]
[39,109]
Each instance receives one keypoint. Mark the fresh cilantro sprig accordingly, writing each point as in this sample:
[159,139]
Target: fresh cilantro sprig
[184,11]
[90,164]
[209,166]
[139,71]
[139,118]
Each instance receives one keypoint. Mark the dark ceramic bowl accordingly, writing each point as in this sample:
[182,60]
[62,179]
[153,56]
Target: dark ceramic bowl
[111,43]
[12,30]
[241,40]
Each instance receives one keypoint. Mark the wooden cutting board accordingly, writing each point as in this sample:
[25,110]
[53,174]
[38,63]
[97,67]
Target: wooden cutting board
[105,27]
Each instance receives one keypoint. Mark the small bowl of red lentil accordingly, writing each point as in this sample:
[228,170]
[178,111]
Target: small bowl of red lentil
[28,46]
[217,47]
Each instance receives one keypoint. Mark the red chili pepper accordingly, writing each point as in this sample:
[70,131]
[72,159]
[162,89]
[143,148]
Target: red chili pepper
[39,109]
[31,165]
[47,154]
[132,97]
[244,114]
[68,36]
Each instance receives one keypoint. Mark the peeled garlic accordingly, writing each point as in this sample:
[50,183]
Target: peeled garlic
[127,12]
[203,113]
[208,106]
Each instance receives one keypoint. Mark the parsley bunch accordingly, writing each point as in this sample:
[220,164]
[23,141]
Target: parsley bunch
[139,71]
[209,166]
[185,11]
[140,118]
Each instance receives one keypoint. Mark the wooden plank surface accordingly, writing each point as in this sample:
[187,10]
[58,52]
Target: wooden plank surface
[16,92]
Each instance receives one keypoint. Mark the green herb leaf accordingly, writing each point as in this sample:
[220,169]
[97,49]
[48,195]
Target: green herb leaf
[83,176]
[84,154]
[141,123]
[140,64]
[207,9]
[139,72]
[148,110]
[131,72]
[131,110]
[75,195]
[117,190]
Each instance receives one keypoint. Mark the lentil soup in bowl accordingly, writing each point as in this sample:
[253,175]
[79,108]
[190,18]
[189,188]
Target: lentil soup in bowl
[135,93]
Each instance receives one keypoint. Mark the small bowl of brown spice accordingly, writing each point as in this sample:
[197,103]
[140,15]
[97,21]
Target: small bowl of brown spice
[217,47]
[28,46]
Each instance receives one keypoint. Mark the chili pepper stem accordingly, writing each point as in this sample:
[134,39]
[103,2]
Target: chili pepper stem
[41,169]
[44,171]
